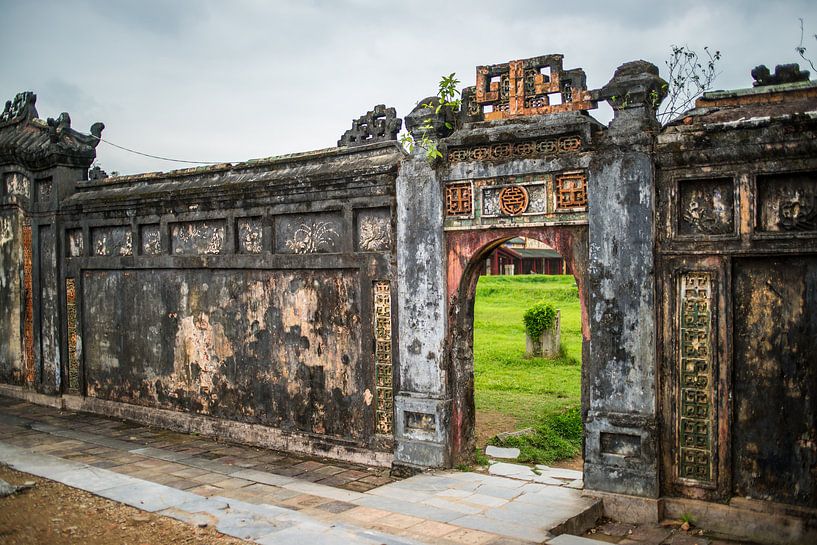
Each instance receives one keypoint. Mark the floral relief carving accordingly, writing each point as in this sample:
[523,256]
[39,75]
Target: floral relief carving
[313,237]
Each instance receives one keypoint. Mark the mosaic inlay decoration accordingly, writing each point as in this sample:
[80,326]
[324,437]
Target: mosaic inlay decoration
[520,150]
[28,332]
[513,200]
[696,388]
[71,312]
[384,408]
[571,190]
[459,199]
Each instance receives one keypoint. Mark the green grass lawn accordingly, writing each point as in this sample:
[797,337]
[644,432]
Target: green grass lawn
[539,393]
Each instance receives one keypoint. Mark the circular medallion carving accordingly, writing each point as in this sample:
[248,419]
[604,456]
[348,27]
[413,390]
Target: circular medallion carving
[513,200]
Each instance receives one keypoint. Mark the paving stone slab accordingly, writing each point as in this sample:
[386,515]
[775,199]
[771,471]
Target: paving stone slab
[438,514]
[559,472]
[523,530]
[161,454]
[501,452]
[147,496]
[514,471]
[245,525]
[263,477]
[567,539]
[321,490]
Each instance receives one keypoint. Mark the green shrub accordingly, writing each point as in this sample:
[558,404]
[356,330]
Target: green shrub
[538,318]
[555,437]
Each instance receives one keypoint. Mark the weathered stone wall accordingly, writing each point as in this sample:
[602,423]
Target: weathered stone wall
[241,292]
[12,293]
[736,225]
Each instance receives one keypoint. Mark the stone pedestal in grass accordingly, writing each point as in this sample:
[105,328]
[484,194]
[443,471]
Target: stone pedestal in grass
[546,345]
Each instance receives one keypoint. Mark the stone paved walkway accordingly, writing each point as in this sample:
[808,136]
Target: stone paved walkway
[273,497]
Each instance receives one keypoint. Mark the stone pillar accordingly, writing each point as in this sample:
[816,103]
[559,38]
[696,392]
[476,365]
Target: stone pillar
[621,441]
[423,402]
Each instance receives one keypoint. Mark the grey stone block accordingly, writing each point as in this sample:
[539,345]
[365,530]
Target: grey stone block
[500,452]
[567,539]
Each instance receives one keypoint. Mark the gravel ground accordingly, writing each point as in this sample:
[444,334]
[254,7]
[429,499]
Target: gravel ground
[54,514]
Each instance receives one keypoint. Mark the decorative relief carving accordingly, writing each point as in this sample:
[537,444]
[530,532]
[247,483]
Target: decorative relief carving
[76,243]
[374,230]
[313,237]
[205,237]
[71,316]
[112,241]
[534,185]
[250,235]
[707,207]
[513,200]
[44,187]
[17,184]
[28,286]
[384,412]
[377,125]
[521,150]
[787,202]
[459,199]
[151,238]
[696,385]
[571,190]
[319,232]
[534,86]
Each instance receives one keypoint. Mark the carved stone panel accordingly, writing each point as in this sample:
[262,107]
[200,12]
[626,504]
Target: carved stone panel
[459,199]
[112,241]
[377,125]
[28,322]
[44,188]
[534,86]
[17,184]
[308,234]
[204,237]
[527,197]
[75,243]
[150,237]
[571,191]
[71,319]
[787,203]
[373,230]
[384,413]
[250,235]
[520,150]
[706,207]
[695,435]
[513,200]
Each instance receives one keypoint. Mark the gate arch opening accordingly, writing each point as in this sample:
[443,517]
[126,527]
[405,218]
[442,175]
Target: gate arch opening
[467,251]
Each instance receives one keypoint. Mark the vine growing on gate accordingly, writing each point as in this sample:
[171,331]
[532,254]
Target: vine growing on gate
[448,97]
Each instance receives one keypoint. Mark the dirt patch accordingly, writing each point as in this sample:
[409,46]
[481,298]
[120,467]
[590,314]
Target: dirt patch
[576,463]
[490,423]
[55,514]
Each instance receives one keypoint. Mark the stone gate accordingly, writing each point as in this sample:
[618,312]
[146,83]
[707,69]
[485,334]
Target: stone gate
[322,302]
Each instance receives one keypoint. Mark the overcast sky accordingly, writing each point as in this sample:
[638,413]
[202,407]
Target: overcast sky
[232,80]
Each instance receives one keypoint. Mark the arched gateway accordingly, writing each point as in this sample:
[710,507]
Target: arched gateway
[529,161]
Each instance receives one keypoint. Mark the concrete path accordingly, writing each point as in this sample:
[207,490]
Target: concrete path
[244,498]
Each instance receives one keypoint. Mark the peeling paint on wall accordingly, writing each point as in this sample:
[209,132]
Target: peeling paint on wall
[281,348]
